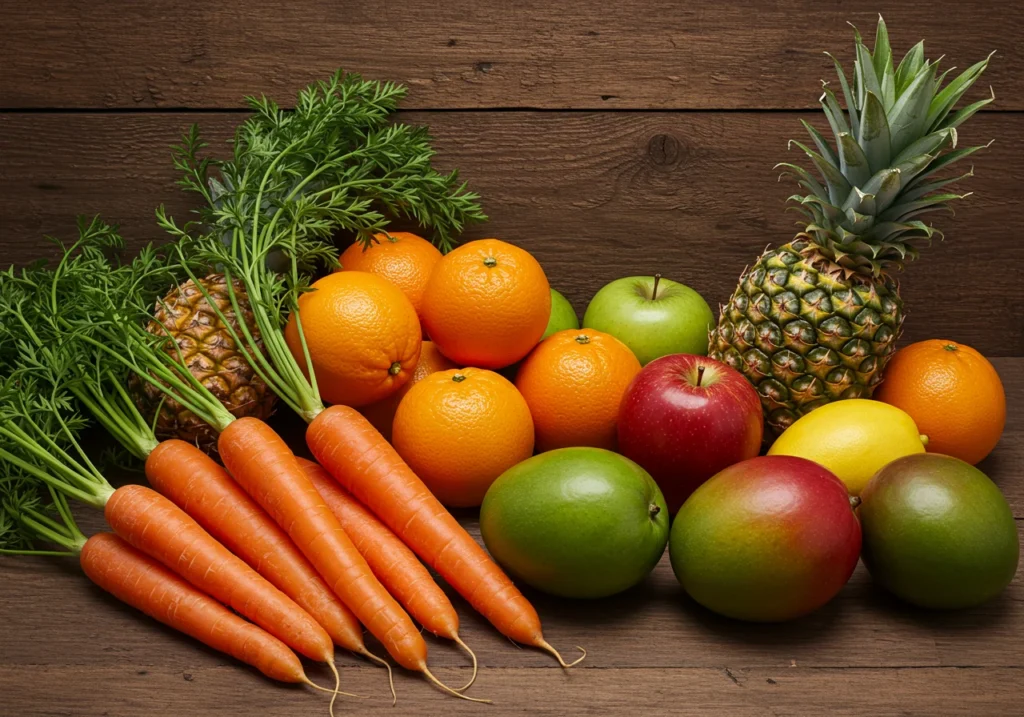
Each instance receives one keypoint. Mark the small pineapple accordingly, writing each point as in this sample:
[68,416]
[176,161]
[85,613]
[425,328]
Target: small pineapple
[211,355]
[817,319]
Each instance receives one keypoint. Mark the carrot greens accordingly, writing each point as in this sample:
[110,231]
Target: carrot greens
[294,180]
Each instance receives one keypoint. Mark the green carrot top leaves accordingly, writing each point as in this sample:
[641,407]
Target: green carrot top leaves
[294,180]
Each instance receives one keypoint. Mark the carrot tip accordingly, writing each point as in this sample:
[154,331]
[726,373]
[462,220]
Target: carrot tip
[308,682]
[450,691]
[543,644]
[391,678]
[464,646]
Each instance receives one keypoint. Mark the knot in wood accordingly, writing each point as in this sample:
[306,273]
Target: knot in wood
[664,150]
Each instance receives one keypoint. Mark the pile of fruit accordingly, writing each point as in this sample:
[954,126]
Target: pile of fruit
[769,451]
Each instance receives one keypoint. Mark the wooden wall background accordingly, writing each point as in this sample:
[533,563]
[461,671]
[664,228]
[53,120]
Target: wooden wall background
[608,138]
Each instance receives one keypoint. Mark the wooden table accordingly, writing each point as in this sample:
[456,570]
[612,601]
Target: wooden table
[608,139]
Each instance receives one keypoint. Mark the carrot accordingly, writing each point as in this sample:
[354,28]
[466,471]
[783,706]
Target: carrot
[202,488]
[266,468]
[141,582]
[151,523]
[397,567]
[356,454]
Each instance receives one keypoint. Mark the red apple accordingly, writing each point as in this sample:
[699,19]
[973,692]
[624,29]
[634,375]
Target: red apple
[684,418]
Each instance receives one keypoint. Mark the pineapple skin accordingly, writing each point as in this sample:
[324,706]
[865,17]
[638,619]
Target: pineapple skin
[806,331]
[211,355]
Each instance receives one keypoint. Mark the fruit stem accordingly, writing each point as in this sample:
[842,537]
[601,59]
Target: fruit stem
[459,377]
[396,368]
[700,374]
[854,502]
[654,509]
[654,290]
[490,262]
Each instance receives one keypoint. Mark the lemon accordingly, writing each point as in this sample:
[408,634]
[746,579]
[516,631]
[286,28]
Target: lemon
[852,438]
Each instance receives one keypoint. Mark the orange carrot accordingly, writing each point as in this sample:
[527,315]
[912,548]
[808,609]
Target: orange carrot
[153,524]
[266,468]
[202,488]
[356,454]
[141,582]
[397,567]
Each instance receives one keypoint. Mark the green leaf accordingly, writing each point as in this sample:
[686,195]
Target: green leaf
[885,187]
[918,190]
[874,134]
[853,163]
[908,118]
[948,97]
[805,178]
[930,144]
[857,223]
[834,113]
[860,202]
[903,210]
[823,146]
[838,186]
[868,79]
[909,67]
[961,116]
[852,107]
[946,160]
[912,167]
[882,61]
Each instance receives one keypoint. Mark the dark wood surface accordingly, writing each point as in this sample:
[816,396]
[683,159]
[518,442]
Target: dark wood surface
[609,139]
[594,195]
[66,648]
[660,54]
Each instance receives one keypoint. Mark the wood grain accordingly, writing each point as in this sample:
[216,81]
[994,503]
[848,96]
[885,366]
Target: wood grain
[70,649]
[658,54]
[595,196]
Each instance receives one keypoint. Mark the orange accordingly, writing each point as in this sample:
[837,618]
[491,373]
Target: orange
[573,383]
[953,394]
[404,259]
[362,334]
[486,304]
[461,429]
[382,413]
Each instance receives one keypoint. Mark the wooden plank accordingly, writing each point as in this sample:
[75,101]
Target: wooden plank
[143,690]
[595,196]
[572,54]
[67,648]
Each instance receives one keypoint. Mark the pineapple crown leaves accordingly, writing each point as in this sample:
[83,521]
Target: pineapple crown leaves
[295,179]
[878,173]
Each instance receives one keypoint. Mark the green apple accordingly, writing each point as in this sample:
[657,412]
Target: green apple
[563,316]
[653,316]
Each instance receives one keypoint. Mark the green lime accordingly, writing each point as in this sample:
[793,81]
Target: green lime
[937,532]
[576,522]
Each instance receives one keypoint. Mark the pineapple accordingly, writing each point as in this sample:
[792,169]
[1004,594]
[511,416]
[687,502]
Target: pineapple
[816,320]
[211,355]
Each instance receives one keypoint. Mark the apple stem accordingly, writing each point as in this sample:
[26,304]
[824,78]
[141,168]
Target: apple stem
[854,502]
[654,291]
[700,374]
[654,509]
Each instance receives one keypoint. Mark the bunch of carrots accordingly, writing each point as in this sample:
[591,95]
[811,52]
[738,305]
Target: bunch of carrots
[305,553]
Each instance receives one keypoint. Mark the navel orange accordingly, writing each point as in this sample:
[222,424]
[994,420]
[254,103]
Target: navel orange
[487,304]
[953,394]
[382,413]
[573,383]
[362,334]
[461,429]
[404,259]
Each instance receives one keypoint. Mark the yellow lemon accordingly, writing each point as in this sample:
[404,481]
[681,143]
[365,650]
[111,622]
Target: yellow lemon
[852,438]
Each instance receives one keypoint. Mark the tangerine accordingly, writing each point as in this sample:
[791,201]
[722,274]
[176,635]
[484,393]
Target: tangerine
[362,334]
[953,394]
[487,304]
[573,383]
[382,413]
[461,429]
[404,259]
